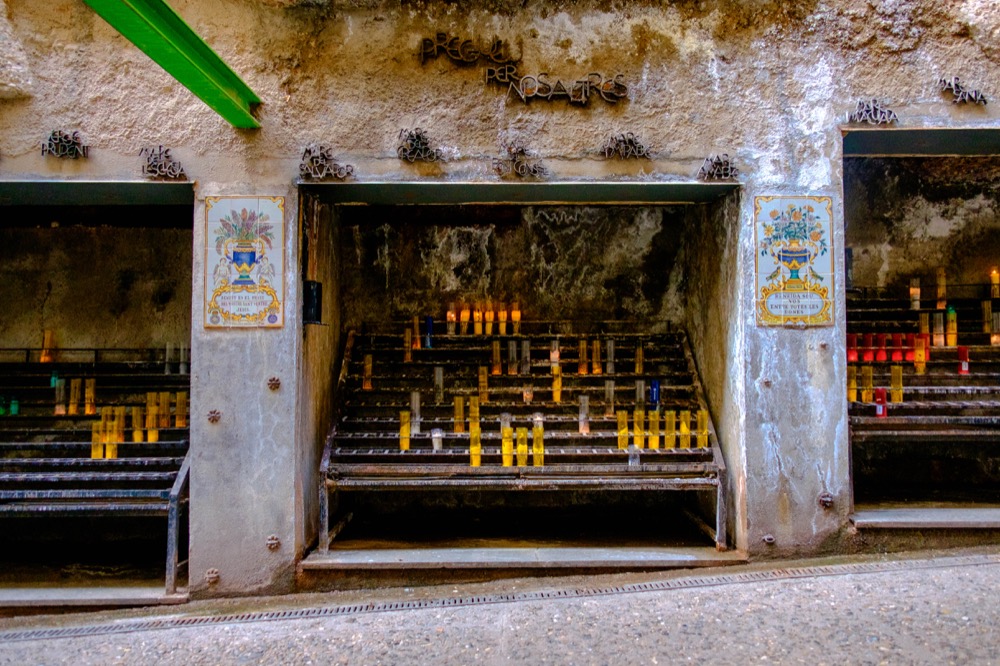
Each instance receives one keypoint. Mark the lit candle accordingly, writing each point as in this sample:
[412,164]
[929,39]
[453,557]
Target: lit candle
[554,352]
[852,383]
[512,363]
[622,429]
[556,384]
[640,356]
[502,315]
[852,347]
[474,412]
[165,409]
[46,355]
[525,357]
[597,358]
[483,384]
[866,383]
[152,423]
[994,283]
[97,440]
[880,353]
[437,439]
[74,397]
[584,420]
[416,332]
[464,320]
[528,394]
[995,329]
[987,316]
[939,337]
[90,396]
[451,318]
[515,317]
[137,424]
[897,347]
[60,397]
[407,345]
[489,318]
[180,415]
[477,320]
[366,380]
[582,363]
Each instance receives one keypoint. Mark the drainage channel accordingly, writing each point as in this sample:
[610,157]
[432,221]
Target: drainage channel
[478,600]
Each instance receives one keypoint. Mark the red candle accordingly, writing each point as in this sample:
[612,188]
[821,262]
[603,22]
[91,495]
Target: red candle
[880,406]
[868,348]
[897,346]
[925,340]
[880,354]
[852,347]
[911,342]
[963,360]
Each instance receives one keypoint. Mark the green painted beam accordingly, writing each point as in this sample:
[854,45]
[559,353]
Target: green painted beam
[94,193]
[528,193]
[164,36]
[921,141]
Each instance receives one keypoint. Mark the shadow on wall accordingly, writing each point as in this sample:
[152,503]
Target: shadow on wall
[559,262]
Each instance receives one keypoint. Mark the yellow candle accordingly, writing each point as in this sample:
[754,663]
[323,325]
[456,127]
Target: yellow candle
[180,418]
[477,319]
[951,328]
[152,423]
[867,386]
[507,446]
[639,428]
[483,384]
[582,364]
[366,382]
[920,356]
[896,392]
[701,434]
[852,384]
[475,448]
[556,384]
[165,409]
[994,283]
[497,366]
[404,431]
[416,332]
[640,358]
[489,319]
[407,345]
[74,397]
[459,414]
[451,318]
[685,429]
[97,440]
[670,429]
[942,288]
[46,355]
[622,429]
[502,315]
[464,320]
[515,317]
[596,358]
[90,397]
[538,446]
[654,430]
[522,447]
[137,424]
[473,412]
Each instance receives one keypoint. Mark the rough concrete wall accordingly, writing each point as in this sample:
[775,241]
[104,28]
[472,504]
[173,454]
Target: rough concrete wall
[558,262]
[15,79]
[245,483]
[712,316]
[321,345]
[766,81]
[95,286]
[905,217]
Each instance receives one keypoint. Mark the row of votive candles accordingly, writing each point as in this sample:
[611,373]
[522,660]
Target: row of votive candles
[941,289]
[482,317]
[183,353]
[146,423]
[868,392]
[646,432]
[915,348]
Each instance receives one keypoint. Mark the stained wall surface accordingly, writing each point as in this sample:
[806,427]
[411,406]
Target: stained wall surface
[769,83]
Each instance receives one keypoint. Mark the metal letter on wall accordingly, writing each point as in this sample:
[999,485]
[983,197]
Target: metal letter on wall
[244,262]
[793,239]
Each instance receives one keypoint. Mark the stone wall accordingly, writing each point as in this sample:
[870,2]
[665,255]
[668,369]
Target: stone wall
[768,82]
[95,286]
[584,264]
[905,217]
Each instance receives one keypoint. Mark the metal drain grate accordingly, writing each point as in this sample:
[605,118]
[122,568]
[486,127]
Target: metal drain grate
[132,626]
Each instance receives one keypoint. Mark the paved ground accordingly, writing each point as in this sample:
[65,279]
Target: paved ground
[939,608]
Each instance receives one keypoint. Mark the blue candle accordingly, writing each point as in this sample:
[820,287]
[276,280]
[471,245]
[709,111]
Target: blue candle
[654,393]
[430,329]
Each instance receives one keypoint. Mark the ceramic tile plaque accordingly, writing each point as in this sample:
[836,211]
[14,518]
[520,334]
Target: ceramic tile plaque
[794,260]
[244,267]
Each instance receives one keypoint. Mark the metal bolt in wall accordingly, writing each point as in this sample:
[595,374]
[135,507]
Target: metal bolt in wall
[274,383]
[214,416]
[768,539]
[826,500]
[212,576]
[273,542]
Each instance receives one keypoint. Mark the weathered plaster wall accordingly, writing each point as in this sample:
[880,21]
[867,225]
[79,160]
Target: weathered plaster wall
[905,217]
[95,286]
[711,316]
[766,81]
[558,262]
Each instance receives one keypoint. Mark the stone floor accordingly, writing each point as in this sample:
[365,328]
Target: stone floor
[929,607]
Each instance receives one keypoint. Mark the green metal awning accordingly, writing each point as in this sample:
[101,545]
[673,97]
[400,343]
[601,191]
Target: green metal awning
[164,36]
[921,141]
